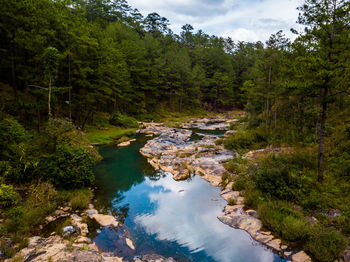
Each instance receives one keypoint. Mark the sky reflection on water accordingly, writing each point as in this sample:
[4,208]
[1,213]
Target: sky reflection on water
[170,218]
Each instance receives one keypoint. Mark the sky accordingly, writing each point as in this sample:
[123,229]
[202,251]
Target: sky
[242,20]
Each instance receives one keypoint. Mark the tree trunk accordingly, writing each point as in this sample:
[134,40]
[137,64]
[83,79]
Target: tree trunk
[268,100]
[50,98]
[275,115]
[321,137]
[115,104]
[70,88]
[182,90]
[13,70]
[37,102]
[85,119]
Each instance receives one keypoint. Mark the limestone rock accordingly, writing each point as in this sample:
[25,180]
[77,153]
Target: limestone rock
[247,223]
[129,242]
[123,144]
[105,220]
[301,257]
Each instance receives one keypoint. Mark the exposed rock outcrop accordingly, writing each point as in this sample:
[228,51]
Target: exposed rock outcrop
[172,152]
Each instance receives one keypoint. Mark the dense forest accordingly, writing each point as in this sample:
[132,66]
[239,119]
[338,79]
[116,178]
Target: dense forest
[65,64]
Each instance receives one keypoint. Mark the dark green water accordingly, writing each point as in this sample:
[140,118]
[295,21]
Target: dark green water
[177,219]
[198,134]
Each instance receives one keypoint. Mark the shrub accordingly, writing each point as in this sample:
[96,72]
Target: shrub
[231,202]
[123,139]
[325,244]
[286,222]
[118,119]
[252,197]
[8,196]
[81,199]
[11,134]
[286,176]
[68,167]
[245,139]
[23,218]
[219,141]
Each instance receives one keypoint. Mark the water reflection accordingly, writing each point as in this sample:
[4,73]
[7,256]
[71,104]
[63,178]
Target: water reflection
[185,212]
[166,217]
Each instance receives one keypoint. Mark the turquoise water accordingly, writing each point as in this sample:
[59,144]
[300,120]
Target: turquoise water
[177,219]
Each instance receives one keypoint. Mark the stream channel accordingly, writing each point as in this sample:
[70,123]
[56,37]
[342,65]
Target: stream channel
[166,217]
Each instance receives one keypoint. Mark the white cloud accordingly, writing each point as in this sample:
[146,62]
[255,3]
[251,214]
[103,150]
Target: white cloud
[249,20]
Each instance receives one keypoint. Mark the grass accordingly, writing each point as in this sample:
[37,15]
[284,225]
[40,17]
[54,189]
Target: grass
[78,199]
[108,134]
[231,202]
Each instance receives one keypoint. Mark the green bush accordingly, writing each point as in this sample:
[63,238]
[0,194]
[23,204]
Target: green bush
[11,134]
[81,199]
[118,119]
[231,202]
[8,196]
[325,244]
[246,139]
[23,218]
[286,176]
[283,220]
[123,139]
[68,167]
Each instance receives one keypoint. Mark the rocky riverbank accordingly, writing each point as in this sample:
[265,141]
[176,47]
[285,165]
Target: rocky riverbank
[73,244]
[173,151]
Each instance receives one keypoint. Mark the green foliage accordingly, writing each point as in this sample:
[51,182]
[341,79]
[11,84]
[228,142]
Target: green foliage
[8,196]
[67,167]
[22,219]
[325,244]
[246,139]
[50,60]
[123,121]
[12,134]
[286,176]
[123,139]
[108,135]
[282,219]
[80,199]
[231,202]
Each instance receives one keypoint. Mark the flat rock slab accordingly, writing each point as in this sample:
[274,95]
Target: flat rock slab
[106,220]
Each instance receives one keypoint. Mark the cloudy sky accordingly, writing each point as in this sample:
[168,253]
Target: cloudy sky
[244,20]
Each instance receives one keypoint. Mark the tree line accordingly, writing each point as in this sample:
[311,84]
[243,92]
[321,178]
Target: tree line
[73,59]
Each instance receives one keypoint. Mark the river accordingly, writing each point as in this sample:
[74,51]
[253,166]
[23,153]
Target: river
[166,217]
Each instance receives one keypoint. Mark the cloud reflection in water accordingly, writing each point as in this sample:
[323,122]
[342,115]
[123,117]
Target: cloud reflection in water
[185,212]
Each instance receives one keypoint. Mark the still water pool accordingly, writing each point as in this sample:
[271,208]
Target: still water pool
[177,219]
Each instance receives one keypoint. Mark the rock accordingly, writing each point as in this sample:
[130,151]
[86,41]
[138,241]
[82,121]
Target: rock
[70,231]
[156,258]
[129,242]
[66,209]
[275,244]
[91,212]
[252,213]
[301,257]
[127,143]
[106,220]
[346,256]
[84,240]
[76,217]
[50,219]
[230,132]
[247,223]
[60,213]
